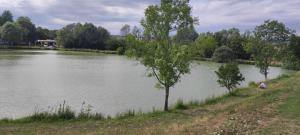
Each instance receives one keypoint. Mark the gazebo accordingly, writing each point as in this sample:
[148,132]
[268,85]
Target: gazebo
[46,43]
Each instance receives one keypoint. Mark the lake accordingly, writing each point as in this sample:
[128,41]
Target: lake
[41,80]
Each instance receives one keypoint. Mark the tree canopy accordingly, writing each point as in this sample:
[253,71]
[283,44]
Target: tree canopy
[166,61]
[28,29]
[223,54]
[6,17]
[11,32]
[229,76]
[83,36]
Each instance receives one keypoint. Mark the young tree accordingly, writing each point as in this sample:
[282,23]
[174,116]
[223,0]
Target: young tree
[229,76]
[268,36]
[125,30]
[264,58]
[166,61]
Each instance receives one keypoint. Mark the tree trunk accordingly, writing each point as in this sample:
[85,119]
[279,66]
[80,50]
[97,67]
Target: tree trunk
[266,75]
[166,108]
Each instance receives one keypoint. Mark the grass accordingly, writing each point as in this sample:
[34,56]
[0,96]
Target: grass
[291,108]
[249,111]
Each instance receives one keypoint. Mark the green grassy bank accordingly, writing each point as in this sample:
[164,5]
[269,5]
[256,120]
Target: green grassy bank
[274,110]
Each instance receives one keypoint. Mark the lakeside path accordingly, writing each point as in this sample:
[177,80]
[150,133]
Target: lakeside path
[275,111]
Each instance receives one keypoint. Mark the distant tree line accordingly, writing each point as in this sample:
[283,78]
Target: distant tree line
[221,46]
[21,31]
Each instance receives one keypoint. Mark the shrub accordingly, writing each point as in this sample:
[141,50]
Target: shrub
[180,105]
[252,84]
[229,76]
[223,54]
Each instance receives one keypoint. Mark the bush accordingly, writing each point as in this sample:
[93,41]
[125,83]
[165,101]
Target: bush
[252,84]
[223,54]
[180,105]
[114,43]
[121,51]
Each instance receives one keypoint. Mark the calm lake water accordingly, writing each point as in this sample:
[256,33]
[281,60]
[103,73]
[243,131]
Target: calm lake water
[35,80]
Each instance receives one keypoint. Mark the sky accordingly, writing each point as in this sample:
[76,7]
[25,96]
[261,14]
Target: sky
[213,15]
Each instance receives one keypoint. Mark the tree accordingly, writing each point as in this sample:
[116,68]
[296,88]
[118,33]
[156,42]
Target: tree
[205,45]
[233,39]
[136,32]
[28,29]
[125,30]
[6,17]
[186,36]
[263,59]
[273,32]
[114,43]
[223,54]
[85,36]
[166,61]
[11,33]
[292,57]
[44,33]
[271,38]
[229,76]
[262,52]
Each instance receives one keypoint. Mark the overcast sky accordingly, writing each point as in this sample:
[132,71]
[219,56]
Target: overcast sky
[213,15]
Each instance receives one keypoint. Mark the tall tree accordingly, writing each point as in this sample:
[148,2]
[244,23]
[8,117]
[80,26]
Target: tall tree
[6,17]
[125,30]
[11,33]
[273,32]
[166,61]
[28,29]
[268,36]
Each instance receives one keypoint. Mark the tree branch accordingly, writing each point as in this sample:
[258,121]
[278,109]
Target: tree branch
[161,82]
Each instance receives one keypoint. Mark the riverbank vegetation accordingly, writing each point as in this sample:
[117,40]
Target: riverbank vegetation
[250,110]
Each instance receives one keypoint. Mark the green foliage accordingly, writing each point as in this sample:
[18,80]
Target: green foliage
[180,105]
[6,17]
[85,36]
[229,76]
[252,84]
[44,33]
[166,61]
[28,29]
[86,113]
[223,54]
[232,39]
[114,43]
[263,59]
[186,36]
[205,46]
[273,32]
[64,112]
[291,58]
[11,32]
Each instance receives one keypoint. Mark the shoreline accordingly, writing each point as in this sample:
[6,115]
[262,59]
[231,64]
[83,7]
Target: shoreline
[246,111]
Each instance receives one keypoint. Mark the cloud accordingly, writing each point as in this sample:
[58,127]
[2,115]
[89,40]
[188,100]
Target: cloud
[61,21]
[112,14]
